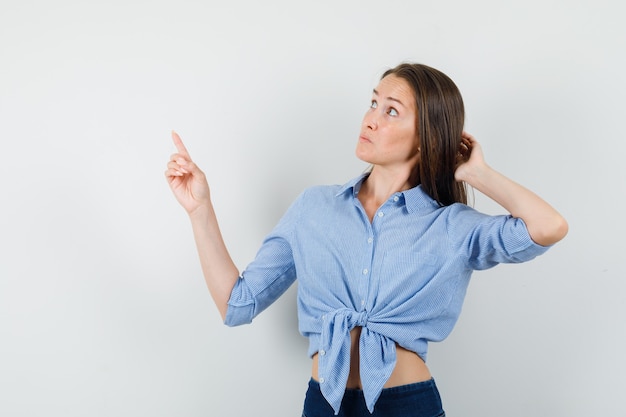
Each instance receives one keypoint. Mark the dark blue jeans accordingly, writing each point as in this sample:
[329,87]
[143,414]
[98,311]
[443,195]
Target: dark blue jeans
[414,400]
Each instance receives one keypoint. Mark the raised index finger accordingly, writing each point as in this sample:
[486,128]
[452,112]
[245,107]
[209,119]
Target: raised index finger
[179,144]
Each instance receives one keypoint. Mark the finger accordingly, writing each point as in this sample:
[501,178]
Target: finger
[180,160]
[465,134]
[178,157]
[172,173]
[468,141]
[179,144]
[178,166]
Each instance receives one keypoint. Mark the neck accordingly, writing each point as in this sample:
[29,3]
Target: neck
[382,183]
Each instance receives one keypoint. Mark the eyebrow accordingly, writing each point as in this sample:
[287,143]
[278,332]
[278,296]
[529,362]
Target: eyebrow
[390,98]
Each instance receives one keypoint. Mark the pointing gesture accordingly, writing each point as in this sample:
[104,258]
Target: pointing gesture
[190,187]
[187,181]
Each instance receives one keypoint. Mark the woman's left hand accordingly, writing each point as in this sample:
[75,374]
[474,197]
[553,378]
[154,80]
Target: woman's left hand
[470,158]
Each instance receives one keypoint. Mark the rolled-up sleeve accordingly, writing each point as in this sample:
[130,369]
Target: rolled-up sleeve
[264,280]
[490,240]
[269,275]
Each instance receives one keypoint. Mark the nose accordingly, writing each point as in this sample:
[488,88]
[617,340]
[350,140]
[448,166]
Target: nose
[370,120]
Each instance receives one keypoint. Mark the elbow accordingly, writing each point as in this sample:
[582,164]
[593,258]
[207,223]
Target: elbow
[238,315]
[551,232]
[222,307]
[563,228]
[559,230]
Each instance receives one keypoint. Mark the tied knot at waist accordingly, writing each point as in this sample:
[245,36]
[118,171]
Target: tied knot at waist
[350,318]
[361,319]
[377,356]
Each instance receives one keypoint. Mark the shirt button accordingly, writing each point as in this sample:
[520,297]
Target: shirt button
[381,214]
[365,271]
[370,240]
[322,380]
[362,302]
[396,198]
[322,352]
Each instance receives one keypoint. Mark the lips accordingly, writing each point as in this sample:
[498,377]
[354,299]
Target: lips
[364,139]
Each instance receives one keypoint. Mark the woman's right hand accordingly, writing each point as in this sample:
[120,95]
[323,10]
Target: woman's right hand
[190,187]
[187,181]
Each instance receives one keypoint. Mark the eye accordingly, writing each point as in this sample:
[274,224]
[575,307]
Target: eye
[392,112]
[374,104]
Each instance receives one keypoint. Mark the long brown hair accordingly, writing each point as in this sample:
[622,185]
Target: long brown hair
[440,119]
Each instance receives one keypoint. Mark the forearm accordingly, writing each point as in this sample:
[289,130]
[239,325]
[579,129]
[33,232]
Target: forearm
[545,225]
[220,272]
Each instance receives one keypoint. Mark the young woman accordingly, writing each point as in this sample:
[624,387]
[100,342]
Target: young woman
[382,262]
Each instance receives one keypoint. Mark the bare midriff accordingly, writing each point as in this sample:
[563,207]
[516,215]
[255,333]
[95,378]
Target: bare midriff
[410,368]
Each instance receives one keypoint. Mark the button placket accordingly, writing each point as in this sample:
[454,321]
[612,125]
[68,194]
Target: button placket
[364,281]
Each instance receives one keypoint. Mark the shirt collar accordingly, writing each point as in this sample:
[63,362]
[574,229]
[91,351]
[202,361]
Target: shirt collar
[414,198]
[354,185]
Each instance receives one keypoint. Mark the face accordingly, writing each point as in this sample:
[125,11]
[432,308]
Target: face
[388,132]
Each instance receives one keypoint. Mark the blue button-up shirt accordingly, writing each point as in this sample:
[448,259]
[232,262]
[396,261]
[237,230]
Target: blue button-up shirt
[402,277]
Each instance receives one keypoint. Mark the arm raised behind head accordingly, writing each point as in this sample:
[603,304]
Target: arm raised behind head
[545,225]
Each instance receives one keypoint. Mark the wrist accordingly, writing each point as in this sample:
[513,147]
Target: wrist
[476,175]
[201,212]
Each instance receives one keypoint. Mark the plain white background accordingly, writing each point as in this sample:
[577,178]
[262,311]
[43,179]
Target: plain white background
[103,309]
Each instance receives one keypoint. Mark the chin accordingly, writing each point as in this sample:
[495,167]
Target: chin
[362,155]
[363,158]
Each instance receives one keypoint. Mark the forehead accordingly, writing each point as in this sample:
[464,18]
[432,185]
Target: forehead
[395,88]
